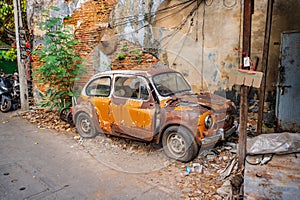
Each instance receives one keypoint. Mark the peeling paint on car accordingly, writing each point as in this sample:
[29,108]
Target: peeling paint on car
[135,105]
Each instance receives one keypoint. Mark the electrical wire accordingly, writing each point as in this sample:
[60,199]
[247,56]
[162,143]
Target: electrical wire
[229,6]
[175,13]
[129,19]
[162,18]
[202,50]
[208,4]
[158,11]
[180,26]
[125,20]
[257,162]
[189,29]
[254,163]
[197,22]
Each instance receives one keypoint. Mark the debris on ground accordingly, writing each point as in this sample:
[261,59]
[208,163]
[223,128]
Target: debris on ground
[212,175]
[47,120]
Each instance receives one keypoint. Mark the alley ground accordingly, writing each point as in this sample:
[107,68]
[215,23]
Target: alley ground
[42,164]
[42,157]
[38,162]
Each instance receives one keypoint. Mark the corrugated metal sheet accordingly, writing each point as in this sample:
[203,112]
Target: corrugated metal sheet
[278,179]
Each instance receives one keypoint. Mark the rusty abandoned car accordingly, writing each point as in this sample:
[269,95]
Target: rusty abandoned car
[156,105]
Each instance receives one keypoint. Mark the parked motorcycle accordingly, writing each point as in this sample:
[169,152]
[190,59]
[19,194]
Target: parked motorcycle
[9,92]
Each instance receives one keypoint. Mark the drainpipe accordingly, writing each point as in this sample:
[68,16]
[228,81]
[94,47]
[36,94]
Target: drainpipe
[264,66]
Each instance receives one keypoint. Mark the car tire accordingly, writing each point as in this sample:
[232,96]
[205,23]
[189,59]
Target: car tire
[85,126]
[179,144]
[6,106]
[156,146]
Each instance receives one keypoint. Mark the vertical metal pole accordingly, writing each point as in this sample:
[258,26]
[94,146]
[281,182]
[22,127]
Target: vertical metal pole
[244,89]
[21,63]
[264,66]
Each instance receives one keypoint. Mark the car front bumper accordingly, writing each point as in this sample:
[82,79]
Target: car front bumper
[220,135]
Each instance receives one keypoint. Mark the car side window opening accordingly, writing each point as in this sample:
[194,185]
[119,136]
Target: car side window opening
[99,87]
[131,87]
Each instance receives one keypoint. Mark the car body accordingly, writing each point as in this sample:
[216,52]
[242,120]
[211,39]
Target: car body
[155,105]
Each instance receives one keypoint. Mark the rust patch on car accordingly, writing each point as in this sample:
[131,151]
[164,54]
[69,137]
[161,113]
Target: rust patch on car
[132,114]
[103,112]
[201,122]
[142,105]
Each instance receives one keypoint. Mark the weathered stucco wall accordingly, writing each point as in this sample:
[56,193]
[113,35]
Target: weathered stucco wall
[198,40]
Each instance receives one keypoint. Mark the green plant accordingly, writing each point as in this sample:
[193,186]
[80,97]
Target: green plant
[125,47]
[121,56]
[52,99]
[10,54]
[137,54]
[7,28]
[59,63]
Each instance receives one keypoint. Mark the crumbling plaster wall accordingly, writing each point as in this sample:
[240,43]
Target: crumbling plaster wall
[207,41]
[88,18]
[200,44]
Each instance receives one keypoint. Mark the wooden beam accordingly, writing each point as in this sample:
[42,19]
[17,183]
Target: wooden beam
[247,20]
[264,66]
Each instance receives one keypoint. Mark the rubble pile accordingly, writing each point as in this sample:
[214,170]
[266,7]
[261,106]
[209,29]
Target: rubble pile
[210,176]
[47,120]
[131,56]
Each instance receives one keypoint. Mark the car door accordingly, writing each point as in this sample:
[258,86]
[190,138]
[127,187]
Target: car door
[133,107]
[98,92]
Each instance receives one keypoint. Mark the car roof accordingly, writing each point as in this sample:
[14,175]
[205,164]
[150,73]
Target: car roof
[148,72]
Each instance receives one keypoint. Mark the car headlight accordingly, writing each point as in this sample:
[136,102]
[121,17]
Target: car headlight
[227,118]
[208,121]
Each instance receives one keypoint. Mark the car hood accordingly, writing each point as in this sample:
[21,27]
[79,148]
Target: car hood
[206,100]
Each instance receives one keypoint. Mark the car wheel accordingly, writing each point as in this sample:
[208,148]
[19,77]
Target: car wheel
[156,146]
[6,106]
[179,144]
[85,126]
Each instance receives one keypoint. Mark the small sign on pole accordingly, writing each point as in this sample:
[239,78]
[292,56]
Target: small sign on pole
[245,77]
[247,62]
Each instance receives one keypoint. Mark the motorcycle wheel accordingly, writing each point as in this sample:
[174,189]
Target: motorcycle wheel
[6,106]
[63,114]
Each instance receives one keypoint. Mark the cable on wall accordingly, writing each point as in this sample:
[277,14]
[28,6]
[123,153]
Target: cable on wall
[226,5]
[129,19]
[180,26]
[202,53]
[193,12]
[208,3]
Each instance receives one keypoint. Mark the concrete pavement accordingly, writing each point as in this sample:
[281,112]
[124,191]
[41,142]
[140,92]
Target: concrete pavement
[42,164]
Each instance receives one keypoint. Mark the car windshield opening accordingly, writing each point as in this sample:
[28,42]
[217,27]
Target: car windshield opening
[170,83]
